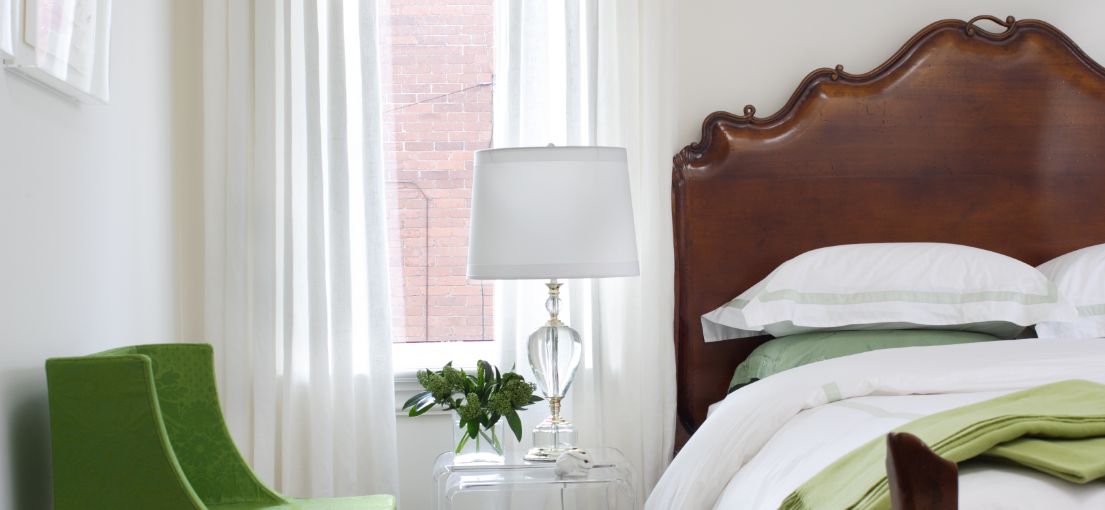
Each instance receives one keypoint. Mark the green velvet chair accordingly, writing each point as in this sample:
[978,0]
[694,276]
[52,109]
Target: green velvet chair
[140,428]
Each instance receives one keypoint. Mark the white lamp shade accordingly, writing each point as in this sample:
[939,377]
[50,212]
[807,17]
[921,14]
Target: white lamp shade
[551,212]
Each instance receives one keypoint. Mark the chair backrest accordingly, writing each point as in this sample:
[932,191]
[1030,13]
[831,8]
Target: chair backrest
[110,448]
[140,427]
[184,375]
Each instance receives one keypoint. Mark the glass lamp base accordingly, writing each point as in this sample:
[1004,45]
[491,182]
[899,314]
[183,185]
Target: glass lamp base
[551,438]
[543,455]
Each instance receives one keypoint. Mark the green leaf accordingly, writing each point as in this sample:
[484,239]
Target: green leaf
[419,411]
[515,424]
[422,405]
[473,429]
[411,402]
[460,444]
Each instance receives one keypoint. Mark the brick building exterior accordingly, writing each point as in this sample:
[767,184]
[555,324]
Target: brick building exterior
[437,112]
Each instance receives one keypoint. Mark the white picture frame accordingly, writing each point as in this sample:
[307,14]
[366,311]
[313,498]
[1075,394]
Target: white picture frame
[7,30]
[64,45]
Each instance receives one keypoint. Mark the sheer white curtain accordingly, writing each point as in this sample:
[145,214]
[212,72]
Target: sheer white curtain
[296,268]
[591,72]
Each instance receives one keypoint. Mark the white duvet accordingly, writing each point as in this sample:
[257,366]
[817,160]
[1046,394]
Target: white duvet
[766,439]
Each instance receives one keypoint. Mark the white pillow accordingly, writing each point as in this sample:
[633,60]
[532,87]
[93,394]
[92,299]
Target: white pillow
[892,286]
[1080,277]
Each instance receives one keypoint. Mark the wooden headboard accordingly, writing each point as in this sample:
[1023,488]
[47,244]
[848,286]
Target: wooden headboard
[994,139]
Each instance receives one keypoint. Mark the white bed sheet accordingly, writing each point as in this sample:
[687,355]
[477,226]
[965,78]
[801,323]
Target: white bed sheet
[817,437]
[766,439]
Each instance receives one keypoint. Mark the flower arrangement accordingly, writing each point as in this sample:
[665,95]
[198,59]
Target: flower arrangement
[480,400]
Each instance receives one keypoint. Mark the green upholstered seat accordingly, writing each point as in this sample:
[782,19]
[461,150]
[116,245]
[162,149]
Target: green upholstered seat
[140,428]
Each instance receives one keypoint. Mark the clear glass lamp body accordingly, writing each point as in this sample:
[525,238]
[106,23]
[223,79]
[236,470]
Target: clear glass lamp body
[554,355]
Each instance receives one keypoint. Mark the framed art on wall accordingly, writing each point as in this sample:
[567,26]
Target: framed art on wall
[64,45]
[7,28]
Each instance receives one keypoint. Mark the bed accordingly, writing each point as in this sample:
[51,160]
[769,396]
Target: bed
[988,133]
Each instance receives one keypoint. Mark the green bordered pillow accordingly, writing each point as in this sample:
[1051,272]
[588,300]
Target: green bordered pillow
[1080,278]
[785,353]
[887,286]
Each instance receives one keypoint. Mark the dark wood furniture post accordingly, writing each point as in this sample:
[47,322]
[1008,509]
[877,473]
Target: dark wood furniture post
[918,478]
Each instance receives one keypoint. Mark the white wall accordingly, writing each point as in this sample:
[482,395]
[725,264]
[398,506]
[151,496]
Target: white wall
[421,440]
[99,223]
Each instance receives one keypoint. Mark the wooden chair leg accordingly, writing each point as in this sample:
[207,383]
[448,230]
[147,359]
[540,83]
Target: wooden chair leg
[919,479]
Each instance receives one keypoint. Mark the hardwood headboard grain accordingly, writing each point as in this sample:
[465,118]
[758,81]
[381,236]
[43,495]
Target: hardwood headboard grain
[991,139]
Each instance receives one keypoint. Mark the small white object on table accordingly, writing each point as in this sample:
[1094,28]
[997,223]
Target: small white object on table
[574,463]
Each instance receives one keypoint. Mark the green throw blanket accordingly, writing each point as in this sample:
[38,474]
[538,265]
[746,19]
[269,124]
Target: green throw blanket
[1058,429]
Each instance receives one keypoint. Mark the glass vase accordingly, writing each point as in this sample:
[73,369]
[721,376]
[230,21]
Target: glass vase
[486,447]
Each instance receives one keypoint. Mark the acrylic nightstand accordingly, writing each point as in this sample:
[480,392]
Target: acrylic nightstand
[511,482]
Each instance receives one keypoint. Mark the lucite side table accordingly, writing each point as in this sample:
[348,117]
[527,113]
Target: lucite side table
[492,482]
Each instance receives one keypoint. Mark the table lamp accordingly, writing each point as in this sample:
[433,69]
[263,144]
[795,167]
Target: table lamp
[549,213]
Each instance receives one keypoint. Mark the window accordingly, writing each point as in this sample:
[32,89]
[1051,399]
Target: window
[437,112]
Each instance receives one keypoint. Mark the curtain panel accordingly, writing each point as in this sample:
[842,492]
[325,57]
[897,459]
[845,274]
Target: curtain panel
[590,72]
[296,283]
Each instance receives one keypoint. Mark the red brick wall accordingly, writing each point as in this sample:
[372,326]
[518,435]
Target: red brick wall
[438,112]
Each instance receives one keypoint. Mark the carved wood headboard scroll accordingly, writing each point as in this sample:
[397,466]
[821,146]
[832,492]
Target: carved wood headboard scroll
[965,135]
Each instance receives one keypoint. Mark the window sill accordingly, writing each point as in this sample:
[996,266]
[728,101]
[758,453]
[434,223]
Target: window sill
[409,358]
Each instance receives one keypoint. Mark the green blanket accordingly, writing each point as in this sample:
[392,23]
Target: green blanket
[1058,429]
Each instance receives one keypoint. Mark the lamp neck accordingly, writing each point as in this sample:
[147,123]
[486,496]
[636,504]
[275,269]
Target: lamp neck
[553,303]
[554,408]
